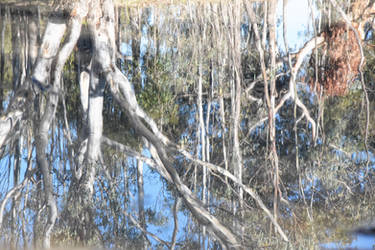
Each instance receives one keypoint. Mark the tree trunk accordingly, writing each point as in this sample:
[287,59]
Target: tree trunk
[237,68]
[201,146]
[103,35]
[271,108]
[176,207]
[141,202]
[51,54]
[46,77]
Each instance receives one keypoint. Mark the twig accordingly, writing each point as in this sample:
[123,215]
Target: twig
[144,231]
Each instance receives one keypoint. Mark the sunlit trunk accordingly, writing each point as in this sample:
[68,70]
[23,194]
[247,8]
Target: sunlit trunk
[202,140]
[51,52]
[221,60]
[271,21]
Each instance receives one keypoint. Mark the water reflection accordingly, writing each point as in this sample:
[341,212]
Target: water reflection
[359,241]
[326,187]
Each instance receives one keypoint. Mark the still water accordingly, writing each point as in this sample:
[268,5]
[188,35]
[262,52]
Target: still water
[183,65]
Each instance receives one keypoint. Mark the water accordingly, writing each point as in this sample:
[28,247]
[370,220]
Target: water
[324,195]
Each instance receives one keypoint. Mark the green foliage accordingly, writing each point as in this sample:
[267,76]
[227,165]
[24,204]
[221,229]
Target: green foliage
[8,73]
[156,218]
[157,96]
[345,116]
[71,90]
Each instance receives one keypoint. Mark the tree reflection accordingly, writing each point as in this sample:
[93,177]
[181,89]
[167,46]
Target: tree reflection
[222,139]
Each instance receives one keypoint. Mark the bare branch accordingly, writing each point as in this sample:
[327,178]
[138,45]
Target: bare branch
[144,231]
[248,190]
[175,218]
[299,56]
[132,153]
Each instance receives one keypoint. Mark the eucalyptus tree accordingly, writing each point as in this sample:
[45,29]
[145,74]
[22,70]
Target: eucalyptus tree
[60,37]
[239,41]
